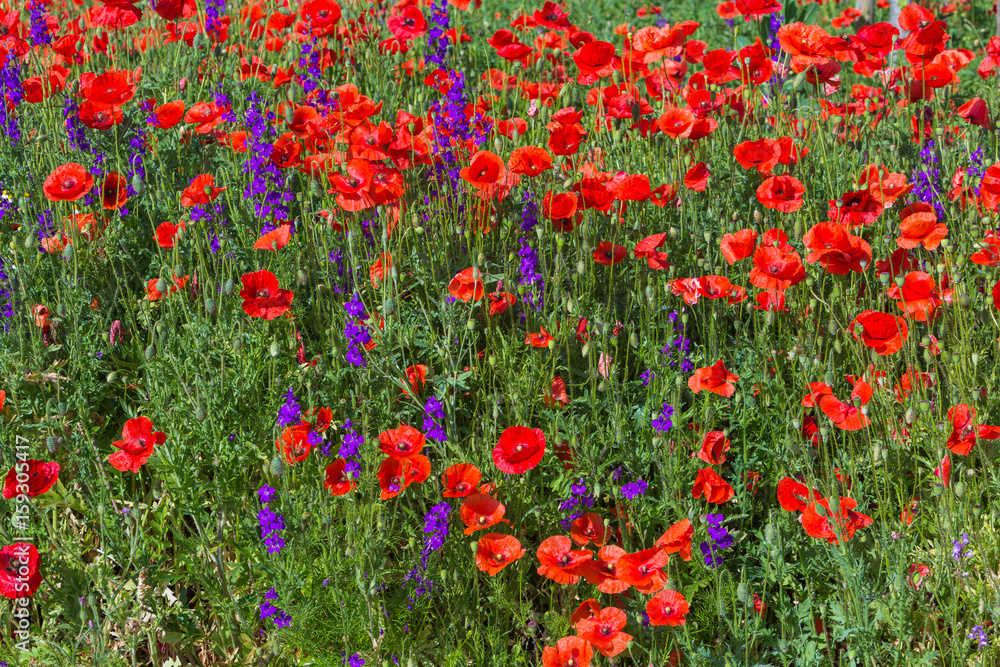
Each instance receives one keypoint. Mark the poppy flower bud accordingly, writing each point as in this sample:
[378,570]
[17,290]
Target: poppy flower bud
[959,488]
[581,267]
[274,349]
[227,287]
[62,408]
[68,253]
[112,376]
[910,416]
[199,414]
[419,231]
[210,306]
[277,466]
[52,444]
[150,353]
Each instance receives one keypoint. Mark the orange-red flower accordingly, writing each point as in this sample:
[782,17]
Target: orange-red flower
[714,446]
[881,332]
[336,481]
[460,480]
[519,450]
[495,551]
[677,539]
[402,442]
[965,430]
[609,254]
[467,285]
[715,379]
[68,182]
[918,297]
[604,631]
[589,527]
[558,560]
[919,226]
[165,233]
[201,191]
[715,489]
[262,297]
[781,193]
[480,511]
[568,652]
[762,154]
[775,269]
[136,445]
[834,526]
[643,569]
[667,608]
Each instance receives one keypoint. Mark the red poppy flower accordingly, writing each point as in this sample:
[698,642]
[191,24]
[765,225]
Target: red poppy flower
[568,652]
[595,60]
[136,446]
[68,182]
[918,297]
[713,448]
[609,254]
[715,379]
[676,123]
[19,575]
[559,561]
[540,339]
[336,481]
[919,226]
[519,450]
[600,571]
[556,396]
[565,139]
[276,239]
[500,302]
[495,551]
[715,489]
[667,608]
[781,193]
[976,112]
[881,332]
[845,521]
[740,245]
[762,154]
[407,23]
[167,115]
[604,631]
[529,161]
[114,192]
[485,170]
[31,478]
[467,285]
[394,475]
[696,177]
[855,209]
[201,191]
[677,539]
[480,511]
[643,569]
[115,14]
[460,480]
[943,471]
[837,250]
[965,430]
[293,444]
[589,527]
[775,270]
[262,297]
[402,442]
[793,496]
[165,233]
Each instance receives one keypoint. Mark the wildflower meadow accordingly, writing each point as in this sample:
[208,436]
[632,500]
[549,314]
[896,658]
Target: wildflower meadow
[487,333]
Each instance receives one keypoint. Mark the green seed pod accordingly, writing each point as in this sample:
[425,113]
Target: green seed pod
[150,353]
[390,307]
[210,306]
[959,489]
[315,189]
[597,489]
[937,490]
[62,408]
[52,444]
[277,466]
[473,546]
[68,253]
[199,414]
[419,231]
[275,349]
[289,114]
[227,287]
[586,349]
[161,286]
